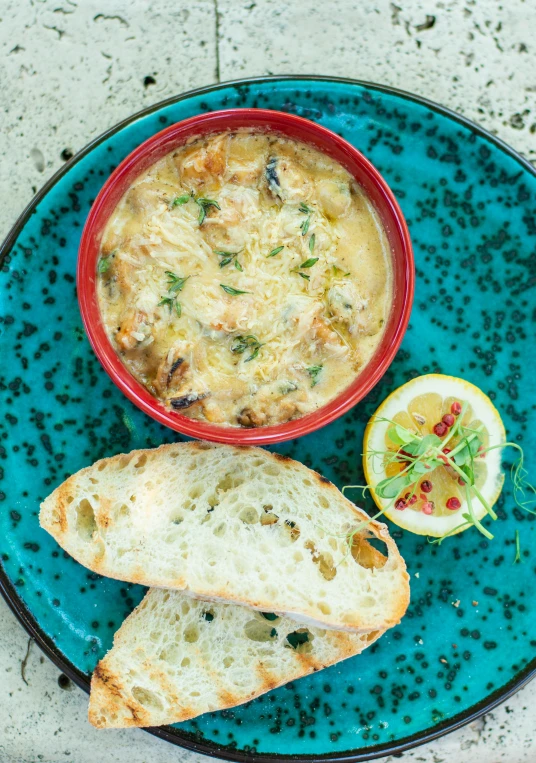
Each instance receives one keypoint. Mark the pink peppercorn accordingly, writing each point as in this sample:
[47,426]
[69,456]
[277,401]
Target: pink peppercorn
[440,429]
[448,419]
[453,504]
[456,408]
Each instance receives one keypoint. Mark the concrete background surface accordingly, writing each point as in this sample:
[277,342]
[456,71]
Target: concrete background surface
[69,70]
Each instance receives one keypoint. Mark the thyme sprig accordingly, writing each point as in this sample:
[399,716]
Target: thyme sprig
[228,257]
[419,454]
[304,209]
[175,286]
[233,292]
[203,203]
[276,251]
[242,343]
[314,372]
[307,264]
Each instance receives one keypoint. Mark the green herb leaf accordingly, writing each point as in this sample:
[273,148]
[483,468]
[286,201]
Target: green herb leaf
[312,242]
[305,226]
[419,467]
[518,549]
[309,263]
[178,308]
[242,343]
[231,291]
[276,251]
[203,205]
[392,486]
[104,264]
[179,200]
[176,282]
[313,372]
[400,435]
[253,354]
[229,257]
[305,276]
[305,209]
[167,301]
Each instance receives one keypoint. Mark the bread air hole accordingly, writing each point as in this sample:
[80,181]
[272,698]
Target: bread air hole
[227,662]
[270,616]
[292,530]
[228,482]
[370,553]
[141,461]
[120,511]
[249,515]
[323,560]
[191,633]
[123,462]
[185,662]
[324,608]
[147,698]
[86,524]
[272,469]
[300,641]
[220,530]
[259,630]
[171,653]
[323,501]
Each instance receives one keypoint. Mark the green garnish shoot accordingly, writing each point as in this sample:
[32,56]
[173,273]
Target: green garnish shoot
[242,343]
[231,291]
[313,372]
[275,251]
[228,257]
[175,286]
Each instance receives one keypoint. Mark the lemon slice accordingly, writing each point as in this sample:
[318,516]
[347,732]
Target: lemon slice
[436,502]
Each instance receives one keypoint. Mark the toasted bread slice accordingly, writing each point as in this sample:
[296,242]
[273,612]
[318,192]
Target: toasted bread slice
[231,524]
[176,657]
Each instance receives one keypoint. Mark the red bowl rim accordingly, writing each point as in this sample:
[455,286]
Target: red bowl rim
[203,124]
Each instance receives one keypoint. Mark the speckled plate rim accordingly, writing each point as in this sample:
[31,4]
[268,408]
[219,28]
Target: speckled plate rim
[31,625]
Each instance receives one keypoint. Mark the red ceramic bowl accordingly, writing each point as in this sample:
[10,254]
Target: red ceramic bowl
[290,126]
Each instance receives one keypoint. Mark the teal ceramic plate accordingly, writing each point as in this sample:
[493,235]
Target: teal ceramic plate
[468,639]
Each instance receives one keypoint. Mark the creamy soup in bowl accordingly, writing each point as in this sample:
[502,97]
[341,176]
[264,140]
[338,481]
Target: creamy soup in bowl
[245,279]
[245,276]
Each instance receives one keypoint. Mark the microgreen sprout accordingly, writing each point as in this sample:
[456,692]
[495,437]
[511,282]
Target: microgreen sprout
[518,549]
[419,454]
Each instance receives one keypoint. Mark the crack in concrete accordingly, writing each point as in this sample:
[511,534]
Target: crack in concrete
[217,19]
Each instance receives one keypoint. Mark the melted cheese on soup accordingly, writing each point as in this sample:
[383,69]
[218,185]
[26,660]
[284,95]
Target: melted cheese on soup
[245,279]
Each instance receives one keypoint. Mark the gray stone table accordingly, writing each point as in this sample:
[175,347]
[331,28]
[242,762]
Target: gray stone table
[71,69]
